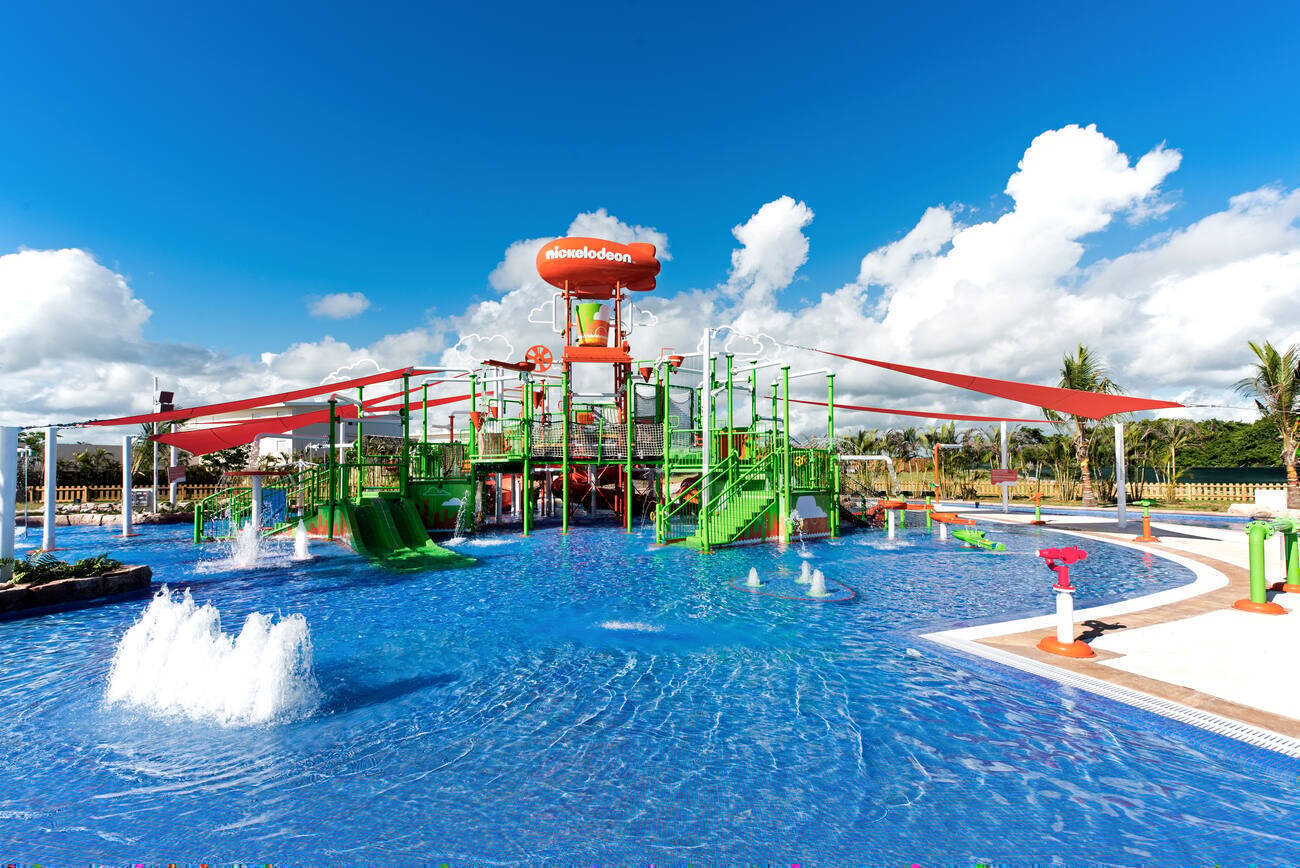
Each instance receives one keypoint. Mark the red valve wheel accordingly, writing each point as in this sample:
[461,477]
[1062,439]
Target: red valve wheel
[541,358]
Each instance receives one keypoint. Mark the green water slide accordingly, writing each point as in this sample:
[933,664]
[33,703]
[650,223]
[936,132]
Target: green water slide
[389,530]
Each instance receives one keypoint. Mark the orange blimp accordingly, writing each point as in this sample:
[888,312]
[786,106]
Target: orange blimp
[595,268]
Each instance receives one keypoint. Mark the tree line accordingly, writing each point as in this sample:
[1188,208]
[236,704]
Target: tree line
[1157,451]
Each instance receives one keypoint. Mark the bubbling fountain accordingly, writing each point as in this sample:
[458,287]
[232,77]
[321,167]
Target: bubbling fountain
[177,660]
[818,586]
[301,550]
[753,580]
[805,574]
[246,547]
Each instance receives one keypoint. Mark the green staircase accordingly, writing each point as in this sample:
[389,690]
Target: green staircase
[739,494]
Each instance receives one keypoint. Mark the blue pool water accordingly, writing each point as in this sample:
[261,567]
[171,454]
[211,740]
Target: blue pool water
[593,699]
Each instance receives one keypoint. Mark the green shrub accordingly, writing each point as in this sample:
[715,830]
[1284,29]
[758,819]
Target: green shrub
[41,567]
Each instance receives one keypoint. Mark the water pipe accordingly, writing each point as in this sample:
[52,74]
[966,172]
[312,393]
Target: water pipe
[1256,533]
[889,464]
[1146,522]
[1063,643]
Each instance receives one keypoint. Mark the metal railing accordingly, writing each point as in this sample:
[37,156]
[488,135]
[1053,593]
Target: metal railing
[747,494]
[286,500]
[678,518]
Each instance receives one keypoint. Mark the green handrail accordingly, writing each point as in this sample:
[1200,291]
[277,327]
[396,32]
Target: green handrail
[733,511]
[678,518]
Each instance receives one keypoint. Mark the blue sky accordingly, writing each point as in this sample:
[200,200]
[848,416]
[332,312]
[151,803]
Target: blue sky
[244,153]
[232,162]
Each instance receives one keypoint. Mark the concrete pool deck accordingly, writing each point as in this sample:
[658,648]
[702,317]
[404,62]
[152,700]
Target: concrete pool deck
[1183,652]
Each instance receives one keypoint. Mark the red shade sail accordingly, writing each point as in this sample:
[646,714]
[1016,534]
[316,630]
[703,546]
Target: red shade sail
[924,414]
[1092,405]
[249,403]
[201,441]
[204,440]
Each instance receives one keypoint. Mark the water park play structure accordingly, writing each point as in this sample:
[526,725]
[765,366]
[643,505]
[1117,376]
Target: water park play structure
[700,443]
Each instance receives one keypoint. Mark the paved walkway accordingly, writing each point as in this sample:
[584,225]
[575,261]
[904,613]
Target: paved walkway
[1186,646]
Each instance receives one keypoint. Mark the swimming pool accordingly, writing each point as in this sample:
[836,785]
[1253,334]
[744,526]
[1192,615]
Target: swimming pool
[594,699]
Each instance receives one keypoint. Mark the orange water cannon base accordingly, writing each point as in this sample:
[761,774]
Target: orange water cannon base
[1285,588]
[1259,608]
[1077,649]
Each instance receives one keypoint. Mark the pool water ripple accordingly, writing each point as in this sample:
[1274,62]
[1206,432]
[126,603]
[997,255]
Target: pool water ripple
[594,698]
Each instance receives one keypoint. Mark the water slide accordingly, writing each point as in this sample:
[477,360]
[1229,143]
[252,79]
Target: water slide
[389,530]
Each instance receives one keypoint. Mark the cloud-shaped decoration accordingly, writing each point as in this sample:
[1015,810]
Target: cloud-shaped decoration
[642,318]
[759,346]
[544,313]
[476,347]
[359,368]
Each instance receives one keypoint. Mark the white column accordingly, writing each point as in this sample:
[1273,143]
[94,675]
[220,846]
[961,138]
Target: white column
[1006,489]
[889,517]
[1064,615]
[8,496]
[943,530]
[51,468]
[1121,474]
[126,485]
[255,514]
[171,486]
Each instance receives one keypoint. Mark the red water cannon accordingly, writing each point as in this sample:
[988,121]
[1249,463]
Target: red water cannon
[1059,560]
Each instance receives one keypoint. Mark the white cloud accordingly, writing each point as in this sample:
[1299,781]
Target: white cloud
[339,305]
[1004,296]
[773,247]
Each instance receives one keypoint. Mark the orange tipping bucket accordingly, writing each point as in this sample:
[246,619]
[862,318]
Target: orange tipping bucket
[593,324]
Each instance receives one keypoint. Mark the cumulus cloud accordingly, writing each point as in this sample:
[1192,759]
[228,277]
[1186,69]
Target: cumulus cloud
[1004,296]
[339,305]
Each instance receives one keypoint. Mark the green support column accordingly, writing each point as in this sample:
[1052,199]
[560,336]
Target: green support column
[331,470]
[404,471]
[668,434]
[565,403]
[424,450]
[526,487]
[360,447]
[787,486]
[835,464]
[631,439]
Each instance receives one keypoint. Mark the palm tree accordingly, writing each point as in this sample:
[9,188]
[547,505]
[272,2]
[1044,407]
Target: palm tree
[1174,433]
[1275,388]
[1084,372]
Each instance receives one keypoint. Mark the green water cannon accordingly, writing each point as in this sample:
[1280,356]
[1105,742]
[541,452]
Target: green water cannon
[975,539]
[1147,536]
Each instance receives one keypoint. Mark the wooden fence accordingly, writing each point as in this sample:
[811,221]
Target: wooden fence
[113,493]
